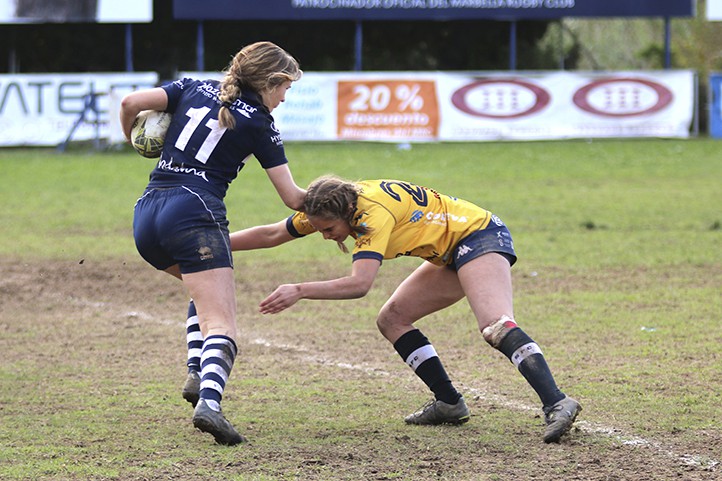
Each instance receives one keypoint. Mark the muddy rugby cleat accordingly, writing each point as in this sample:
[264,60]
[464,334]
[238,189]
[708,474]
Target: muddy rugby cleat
[559,418]
[438,412]
[215,424]
[192,388]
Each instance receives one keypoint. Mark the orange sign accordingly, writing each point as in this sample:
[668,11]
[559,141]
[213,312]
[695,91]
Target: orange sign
[387,110]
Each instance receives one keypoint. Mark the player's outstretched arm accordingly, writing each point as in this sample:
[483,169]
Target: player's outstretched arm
[260,237]
[354,286]
[282,179]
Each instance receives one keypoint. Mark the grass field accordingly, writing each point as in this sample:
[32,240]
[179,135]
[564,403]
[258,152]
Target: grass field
[619,281]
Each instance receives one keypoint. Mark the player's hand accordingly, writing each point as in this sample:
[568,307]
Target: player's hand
[282,298]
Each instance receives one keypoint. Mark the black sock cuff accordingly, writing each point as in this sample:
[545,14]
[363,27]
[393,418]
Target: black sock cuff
[410,342]
[513,341]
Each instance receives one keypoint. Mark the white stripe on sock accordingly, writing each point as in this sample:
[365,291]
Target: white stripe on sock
[420,355]
[219,353]
[523,352]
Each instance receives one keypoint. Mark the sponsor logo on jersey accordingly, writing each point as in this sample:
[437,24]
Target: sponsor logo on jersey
[416,216]
[363,241]
[442,217]
[169,165]
[237,106]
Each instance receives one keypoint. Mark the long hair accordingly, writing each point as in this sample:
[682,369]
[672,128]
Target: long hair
[333,198]
[259,67]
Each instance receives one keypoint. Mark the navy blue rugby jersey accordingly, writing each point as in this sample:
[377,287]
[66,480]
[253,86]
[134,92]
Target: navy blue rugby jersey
[198,152]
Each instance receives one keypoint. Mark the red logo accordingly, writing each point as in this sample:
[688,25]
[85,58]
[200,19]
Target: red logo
[622,97]
[500,98]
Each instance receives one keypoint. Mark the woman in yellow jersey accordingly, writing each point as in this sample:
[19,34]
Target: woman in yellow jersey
[469,252]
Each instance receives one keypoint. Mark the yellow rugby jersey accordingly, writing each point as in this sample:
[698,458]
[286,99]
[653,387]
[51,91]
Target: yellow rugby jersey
[406,220]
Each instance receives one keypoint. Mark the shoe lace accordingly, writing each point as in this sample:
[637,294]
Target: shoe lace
[552,411]
[429,405]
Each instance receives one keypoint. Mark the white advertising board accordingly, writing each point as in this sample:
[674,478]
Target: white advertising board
[393,106]
[421,106]
[76,11]
[41,109]
[565,105]
[714,10]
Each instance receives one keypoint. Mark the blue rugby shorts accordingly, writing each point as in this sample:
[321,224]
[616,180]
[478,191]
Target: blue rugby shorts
[183,226]
[494,238]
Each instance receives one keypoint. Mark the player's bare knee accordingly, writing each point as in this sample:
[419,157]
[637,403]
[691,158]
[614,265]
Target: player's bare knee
[495,332]
[383,322]
[389,318]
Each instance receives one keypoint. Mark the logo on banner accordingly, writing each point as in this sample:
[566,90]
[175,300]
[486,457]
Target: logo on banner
[387,109]
[622,97]
[500,98]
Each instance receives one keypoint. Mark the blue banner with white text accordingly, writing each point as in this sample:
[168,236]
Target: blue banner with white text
[426,9]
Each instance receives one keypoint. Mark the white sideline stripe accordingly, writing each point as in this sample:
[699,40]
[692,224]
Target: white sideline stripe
[586,426]
[705,462]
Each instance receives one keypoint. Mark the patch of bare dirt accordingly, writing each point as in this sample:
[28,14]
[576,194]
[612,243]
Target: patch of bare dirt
[114,301]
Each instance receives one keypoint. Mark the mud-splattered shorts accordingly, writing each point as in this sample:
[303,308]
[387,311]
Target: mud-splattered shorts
[183,226]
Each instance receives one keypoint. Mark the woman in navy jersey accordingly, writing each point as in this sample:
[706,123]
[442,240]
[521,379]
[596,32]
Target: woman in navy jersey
[180,223]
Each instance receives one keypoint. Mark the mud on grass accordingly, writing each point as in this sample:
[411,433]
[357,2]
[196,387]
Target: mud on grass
[93,363]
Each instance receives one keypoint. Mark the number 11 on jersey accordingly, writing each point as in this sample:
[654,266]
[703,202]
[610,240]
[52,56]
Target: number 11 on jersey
[214,136]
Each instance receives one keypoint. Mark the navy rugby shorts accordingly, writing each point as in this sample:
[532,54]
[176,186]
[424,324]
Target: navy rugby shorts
[179,225]
[494,238]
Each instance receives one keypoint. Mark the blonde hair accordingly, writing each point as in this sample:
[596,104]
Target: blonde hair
[333,198]
[259,67]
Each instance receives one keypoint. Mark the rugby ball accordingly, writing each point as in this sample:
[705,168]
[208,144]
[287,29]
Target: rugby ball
[148,132]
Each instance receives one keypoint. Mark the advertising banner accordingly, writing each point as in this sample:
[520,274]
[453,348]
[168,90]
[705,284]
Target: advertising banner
[425,9]
[41,109]
[437,106]
[563,105]
[389,106]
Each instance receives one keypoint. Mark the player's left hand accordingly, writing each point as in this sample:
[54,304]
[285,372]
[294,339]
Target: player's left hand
[282,298]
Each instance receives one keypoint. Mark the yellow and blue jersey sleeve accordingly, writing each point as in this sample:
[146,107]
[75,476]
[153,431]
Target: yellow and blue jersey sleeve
[298,225]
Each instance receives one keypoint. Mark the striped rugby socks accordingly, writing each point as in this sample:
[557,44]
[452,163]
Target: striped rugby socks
[194,339]
[217,357]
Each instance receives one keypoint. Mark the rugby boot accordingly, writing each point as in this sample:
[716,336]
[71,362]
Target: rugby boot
[439,412]
[192,388]
[559,418]
[215,424]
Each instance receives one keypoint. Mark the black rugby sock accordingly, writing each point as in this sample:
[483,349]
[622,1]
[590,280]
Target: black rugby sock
[528,358]
[416,350]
